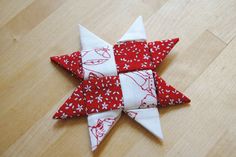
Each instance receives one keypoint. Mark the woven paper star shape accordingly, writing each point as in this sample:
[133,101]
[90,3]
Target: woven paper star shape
[118,78]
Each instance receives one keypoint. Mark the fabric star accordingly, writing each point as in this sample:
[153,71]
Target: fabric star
[118,78]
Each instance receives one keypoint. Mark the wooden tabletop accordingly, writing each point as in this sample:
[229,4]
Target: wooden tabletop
[202,65]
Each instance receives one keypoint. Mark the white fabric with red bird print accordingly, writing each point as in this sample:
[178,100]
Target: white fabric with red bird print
[138,89]
[97,55]
[99,124]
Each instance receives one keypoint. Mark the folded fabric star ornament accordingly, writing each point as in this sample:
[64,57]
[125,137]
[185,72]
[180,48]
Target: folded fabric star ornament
[118,78]
[132,52]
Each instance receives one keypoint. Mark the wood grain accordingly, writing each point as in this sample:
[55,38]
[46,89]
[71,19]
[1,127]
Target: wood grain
[202,65]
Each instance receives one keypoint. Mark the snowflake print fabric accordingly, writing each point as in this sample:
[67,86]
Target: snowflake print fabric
[138,89]
[71,62]
[168,95]
[103,94]
[132,55]
[74,105]
[92,96]
[160,49]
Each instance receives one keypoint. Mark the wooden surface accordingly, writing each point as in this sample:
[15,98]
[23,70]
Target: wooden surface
[202,65]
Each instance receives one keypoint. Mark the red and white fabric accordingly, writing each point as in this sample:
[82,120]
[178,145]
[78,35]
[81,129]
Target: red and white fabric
[132,52]
[102,94]
[160,49]
[97,55]
[92,96]
[133,55]
[99,125]
[71,62]
[137,90]
[136,93]
[168,95]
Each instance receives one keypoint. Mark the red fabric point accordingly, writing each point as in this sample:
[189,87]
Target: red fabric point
[74,106]
[160,49]
[92,96]
[168,95]
[71,62]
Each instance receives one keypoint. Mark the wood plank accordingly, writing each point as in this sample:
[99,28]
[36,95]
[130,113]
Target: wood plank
[226,145]
[24,22]
[212,115]
[204,50]
[10,8]
[186,19]
[225,24]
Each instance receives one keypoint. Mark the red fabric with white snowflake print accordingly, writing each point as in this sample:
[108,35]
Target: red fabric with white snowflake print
[102,94]
[132,55]
[168,95]
[129,56]
[92,96]
[160,49]
[71,62]
[74,106]
[106,93]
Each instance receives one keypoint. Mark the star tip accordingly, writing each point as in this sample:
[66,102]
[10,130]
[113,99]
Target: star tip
[140,17]
[161,140]
[56,116]
[187,100]
[53,58]
[159,135]
[80,26]
[176,40]
[93,149]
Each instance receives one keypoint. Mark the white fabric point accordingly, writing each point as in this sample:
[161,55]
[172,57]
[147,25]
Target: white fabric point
[97,55]
[149,119]
[89,40]
[135,32]
[100,124]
